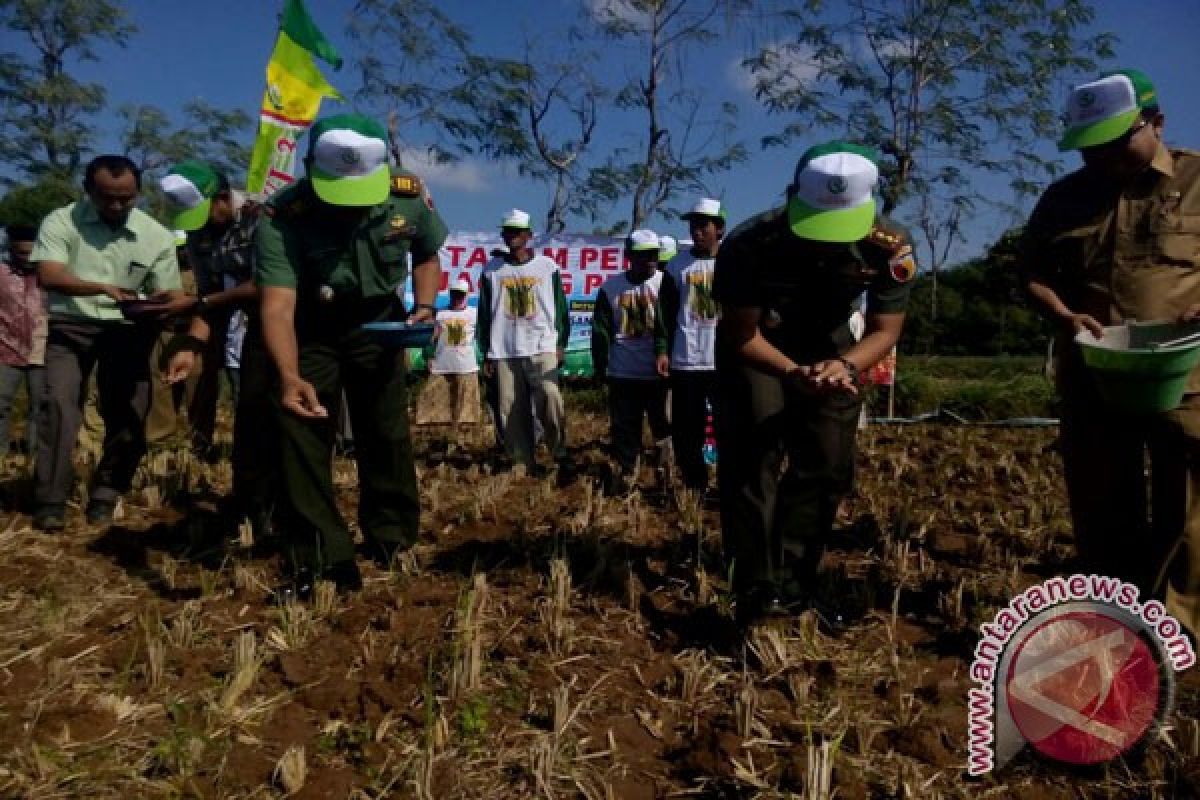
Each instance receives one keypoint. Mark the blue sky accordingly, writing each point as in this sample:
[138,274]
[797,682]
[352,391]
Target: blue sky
[217,50]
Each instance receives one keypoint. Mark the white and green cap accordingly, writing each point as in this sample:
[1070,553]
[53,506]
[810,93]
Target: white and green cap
[1105,109]
[516,218]
[667,248]
[642,240]
[349,161]
[706,207]
[833,199]
[189,188]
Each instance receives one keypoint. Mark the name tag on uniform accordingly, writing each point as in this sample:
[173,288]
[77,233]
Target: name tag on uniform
[399,235]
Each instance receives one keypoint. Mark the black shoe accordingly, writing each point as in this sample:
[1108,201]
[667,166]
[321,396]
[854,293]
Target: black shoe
[299,589]
[384,553]
[260,525]
[566,470]
[50,519]
[100,511]
[831,617]
[758,603]
[345,577]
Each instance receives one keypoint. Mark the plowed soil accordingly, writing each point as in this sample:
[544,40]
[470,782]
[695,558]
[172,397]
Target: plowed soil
[542,640]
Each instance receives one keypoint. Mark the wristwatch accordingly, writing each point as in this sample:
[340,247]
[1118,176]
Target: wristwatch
[424,305]
[201,304]
[850,367]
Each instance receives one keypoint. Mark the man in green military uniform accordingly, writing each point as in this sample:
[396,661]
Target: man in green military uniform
[1117,241]
[220,223]
[786,281]
[333,252]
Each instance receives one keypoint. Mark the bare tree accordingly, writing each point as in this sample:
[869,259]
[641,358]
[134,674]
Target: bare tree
[685,139]
[561,103]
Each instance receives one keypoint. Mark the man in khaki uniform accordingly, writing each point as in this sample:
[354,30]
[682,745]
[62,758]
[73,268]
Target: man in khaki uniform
[1117,241]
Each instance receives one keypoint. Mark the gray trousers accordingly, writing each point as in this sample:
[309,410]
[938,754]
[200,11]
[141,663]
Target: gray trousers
[121,351]
[524,387]
[34,378]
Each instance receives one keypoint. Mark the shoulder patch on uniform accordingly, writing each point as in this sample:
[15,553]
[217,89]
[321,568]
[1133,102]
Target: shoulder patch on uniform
[406,186]
[888,240]
[903,264]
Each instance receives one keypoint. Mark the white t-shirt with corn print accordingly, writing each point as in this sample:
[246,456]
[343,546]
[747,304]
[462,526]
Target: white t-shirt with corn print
[696,322]
[634,306]
[522,312]
[454,350]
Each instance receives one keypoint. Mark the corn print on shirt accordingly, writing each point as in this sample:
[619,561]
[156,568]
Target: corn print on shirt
[696,322]
[634,314]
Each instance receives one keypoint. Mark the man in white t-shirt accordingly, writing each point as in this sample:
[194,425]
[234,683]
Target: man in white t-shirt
[629,349]
[691,316]
[451,396]
[523,329]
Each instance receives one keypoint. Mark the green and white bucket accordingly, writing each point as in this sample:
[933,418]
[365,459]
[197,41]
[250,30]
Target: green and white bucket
[1137,368]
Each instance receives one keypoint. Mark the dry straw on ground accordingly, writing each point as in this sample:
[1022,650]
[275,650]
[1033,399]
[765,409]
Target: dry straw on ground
[541,641]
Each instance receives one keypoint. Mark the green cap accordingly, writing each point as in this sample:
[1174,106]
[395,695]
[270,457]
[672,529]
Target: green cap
[641,241]
[833,198]
[348,161]
[189,187]
[668,248]
[1105,109]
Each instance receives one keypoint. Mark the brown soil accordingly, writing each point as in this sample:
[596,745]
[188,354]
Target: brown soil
[459,675]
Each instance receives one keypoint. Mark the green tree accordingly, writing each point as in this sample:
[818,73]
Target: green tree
[947,90]
[418,67]
[218,136]
[982,309]
[47,115]
[686,137]
[28,205]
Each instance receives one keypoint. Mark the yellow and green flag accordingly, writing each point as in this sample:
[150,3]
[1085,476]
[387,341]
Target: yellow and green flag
[295,89]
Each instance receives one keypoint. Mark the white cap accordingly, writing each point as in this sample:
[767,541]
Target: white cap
[349,154]
[667,248]
[1099,112]
[836,181]
[706,207]
[461,285]
[515,218]
[642,240]
[181,191]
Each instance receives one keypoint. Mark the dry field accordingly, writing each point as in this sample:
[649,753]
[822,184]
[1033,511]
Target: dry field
[540,642]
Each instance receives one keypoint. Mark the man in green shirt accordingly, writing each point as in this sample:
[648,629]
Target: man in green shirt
[333,253]
[90,255]
[786,281]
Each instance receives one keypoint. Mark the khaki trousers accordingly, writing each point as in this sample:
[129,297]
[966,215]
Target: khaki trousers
[525,386]
[1153,542]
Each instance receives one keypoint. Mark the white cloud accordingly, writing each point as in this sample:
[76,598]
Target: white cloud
[620,10]
[463,175]
[888,49]
[786,67]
